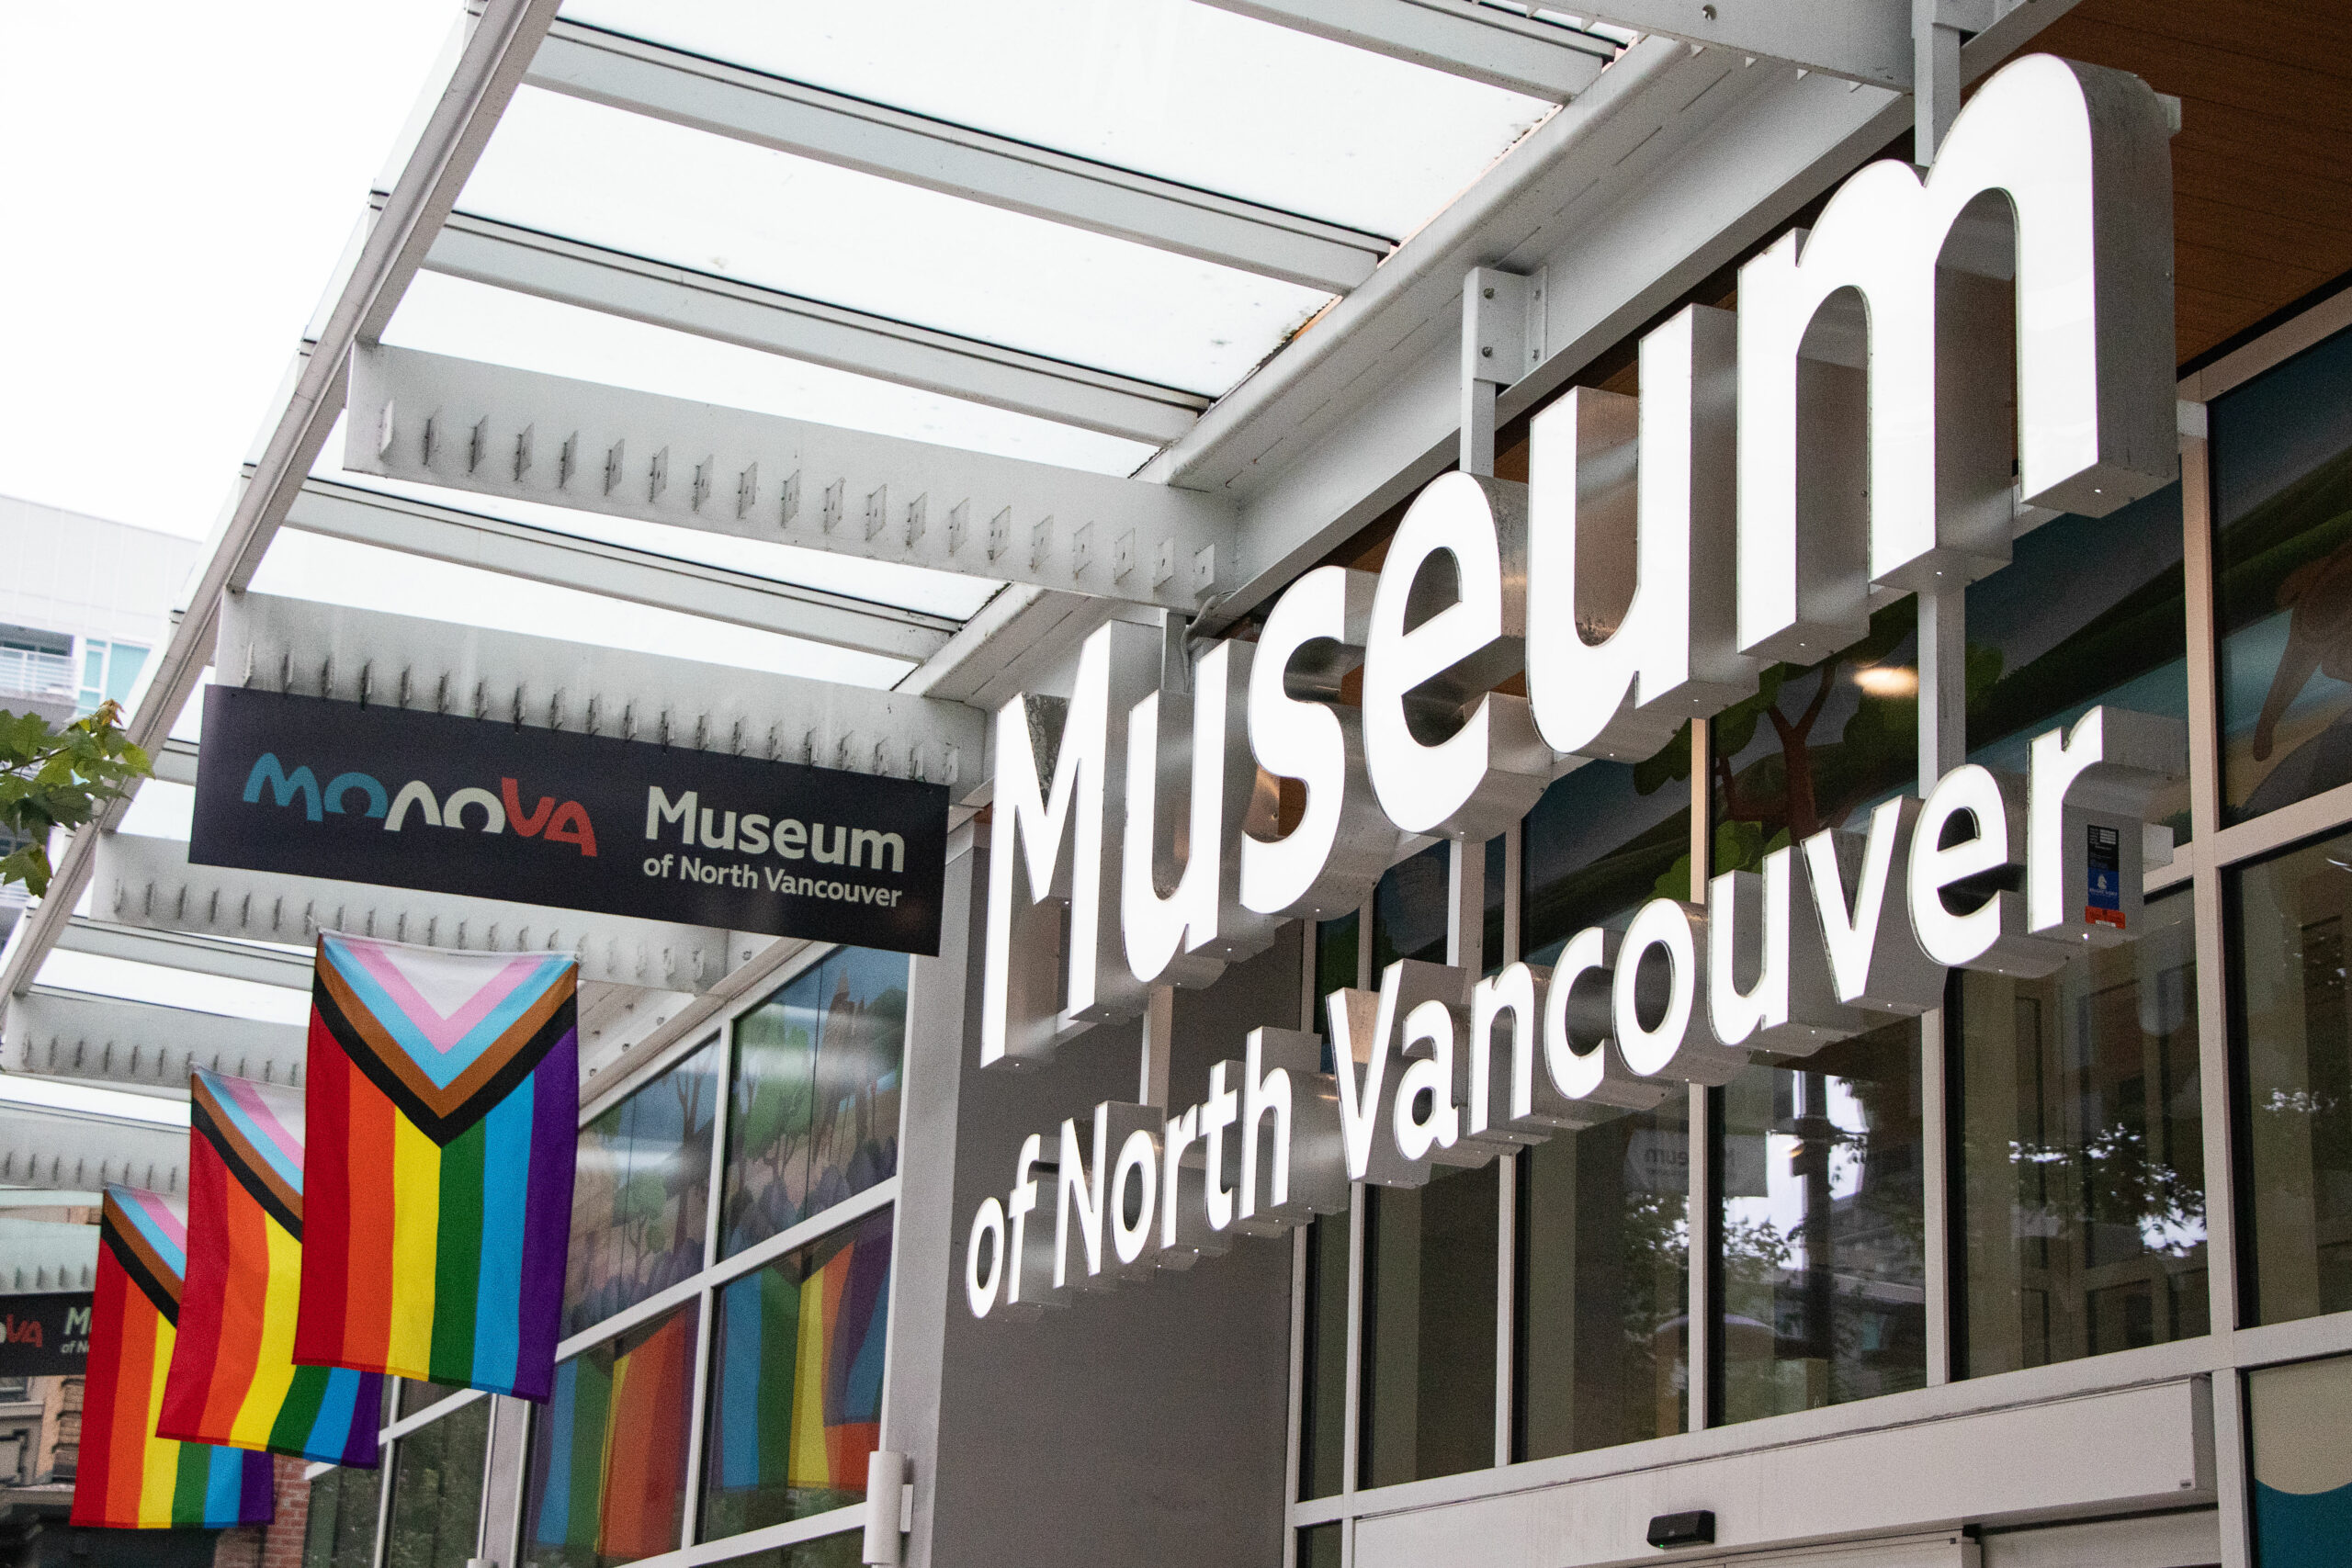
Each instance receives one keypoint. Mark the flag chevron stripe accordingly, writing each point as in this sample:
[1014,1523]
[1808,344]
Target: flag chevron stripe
[443,1046]
[283,1205]
[441,1115]
[133,1237]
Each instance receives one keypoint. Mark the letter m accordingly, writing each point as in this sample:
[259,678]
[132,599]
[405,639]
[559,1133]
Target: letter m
[660,809]
[303,782]
[1049,877]
[1878,353]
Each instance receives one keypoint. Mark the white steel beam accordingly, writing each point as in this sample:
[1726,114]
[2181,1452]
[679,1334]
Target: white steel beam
[174,761]
[506,256]
[856,133]
[1460,38]
[1673,167]
[148,884]
[48,1258]
[141,942]
[490,66]
[325,650]
[71,1151]
[72,1035]
[464,425]
[617,571]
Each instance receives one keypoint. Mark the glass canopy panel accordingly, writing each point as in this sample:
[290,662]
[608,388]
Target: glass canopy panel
[691,198]
[363,577]
[1166,87]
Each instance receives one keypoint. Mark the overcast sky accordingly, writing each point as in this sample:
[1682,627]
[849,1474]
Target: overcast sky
[179,180]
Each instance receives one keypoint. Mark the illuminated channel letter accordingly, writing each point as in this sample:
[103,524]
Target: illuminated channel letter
[1181,928]
[2086,821]
[1858,885]
[1768,975]
[1055,858]
[2078,157]
[1578,1053]
[1311,638]
[1659,1014]
[1293,1166]
[1968,843]
[1630,519]
[1447,754]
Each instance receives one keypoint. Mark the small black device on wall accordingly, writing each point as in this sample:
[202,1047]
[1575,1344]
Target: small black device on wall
[1694,1528]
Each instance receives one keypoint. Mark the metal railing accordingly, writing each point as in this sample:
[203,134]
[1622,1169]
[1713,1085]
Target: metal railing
[26,674]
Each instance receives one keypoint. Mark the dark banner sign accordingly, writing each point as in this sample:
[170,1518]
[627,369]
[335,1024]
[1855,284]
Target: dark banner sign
[44,1336]
[477,806]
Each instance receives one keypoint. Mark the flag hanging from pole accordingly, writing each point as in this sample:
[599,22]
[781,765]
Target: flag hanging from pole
[232,1378]
[444,1104]
[126,1477]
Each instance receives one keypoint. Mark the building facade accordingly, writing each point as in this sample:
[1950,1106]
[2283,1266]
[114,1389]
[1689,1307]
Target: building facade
[2053,1265]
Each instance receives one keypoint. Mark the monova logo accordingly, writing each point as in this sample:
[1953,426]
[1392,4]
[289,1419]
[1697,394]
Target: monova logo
[564,823]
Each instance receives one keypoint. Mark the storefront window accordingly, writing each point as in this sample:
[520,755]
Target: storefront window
[1335,959]
[640,1200]
[2081,1211]
[826,1551]
[1604,840]
[1318,1546]
[1429,1332]
[417,1397]
[1408,909]
[1323,1409]
[2293,1048]
[2282,581]
[436,1489]
[795,1383]
[1603,1280]
[1817,745]
[609,1450]
[2296,1417]
[2091,610]
[815,1115]
[340,1529]
[1824,1266]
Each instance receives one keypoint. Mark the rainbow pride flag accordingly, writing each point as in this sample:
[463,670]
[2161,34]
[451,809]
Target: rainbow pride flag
[608,1462]
[127,1477]
[799,1366]
[234,1379]
[444,1104]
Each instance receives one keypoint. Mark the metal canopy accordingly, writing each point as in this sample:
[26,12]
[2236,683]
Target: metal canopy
[940,332]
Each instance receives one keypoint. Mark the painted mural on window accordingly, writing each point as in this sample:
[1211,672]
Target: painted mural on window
[2282,581]
[815,1115]
[641,1194]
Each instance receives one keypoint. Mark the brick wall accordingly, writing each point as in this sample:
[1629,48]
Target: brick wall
[277,1544]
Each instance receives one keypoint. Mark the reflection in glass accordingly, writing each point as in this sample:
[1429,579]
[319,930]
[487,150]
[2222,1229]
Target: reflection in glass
[642,1198]
[1408,909]
[815,1115]
[1604,1279]
[2282,579]
[1602,842]
[795,1383]
[340,1529]
[2081,1155]
[2302,1468]
[417,1396]
[609,1450]
[825,1552]
[2089,610]
[436,1489]
[1823,1264]
[1818,744]
[1323,1405]
[2292,1036]
[1429,1332]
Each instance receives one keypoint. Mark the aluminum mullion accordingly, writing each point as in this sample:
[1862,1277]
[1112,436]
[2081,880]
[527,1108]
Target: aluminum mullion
[1291,1449]
[698,1414]
[2217,1087]
[433,1411]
